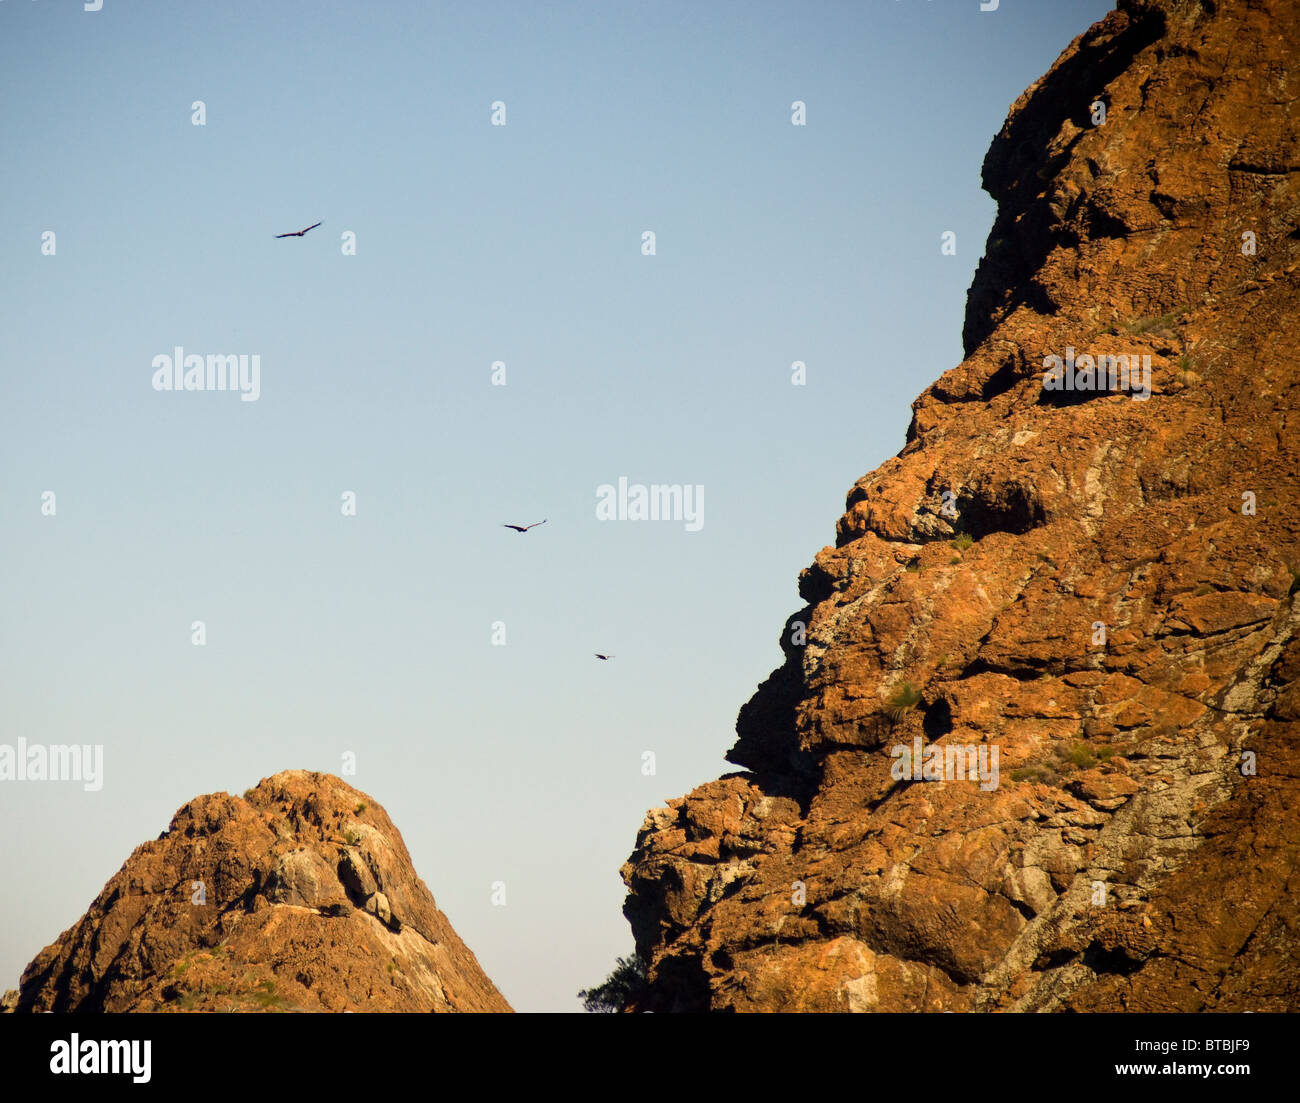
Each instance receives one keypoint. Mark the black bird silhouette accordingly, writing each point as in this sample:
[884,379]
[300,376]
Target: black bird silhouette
[600,656]
[300,232]
[525,528]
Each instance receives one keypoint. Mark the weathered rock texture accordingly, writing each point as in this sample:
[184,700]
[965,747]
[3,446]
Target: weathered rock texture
[310,904]
[1121,762]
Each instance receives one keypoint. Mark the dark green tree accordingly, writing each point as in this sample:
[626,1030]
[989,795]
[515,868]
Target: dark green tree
[620,988]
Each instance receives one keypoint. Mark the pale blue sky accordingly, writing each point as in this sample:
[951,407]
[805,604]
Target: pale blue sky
[475,243]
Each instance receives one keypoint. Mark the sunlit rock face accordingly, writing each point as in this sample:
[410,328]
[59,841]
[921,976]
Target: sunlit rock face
[1092,587]
[298,896]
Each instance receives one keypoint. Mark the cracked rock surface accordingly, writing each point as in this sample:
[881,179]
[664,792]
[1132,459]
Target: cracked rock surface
[1100,587]
[298,896]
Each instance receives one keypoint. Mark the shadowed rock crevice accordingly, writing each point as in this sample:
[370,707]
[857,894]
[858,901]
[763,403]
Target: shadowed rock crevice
[1005,507]
[767,740]
[1028,155]
[937,720]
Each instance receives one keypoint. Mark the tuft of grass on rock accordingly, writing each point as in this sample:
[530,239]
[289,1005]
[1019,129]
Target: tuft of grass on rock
[903,698]
[1081,755]
[1156,324]
[1040,772]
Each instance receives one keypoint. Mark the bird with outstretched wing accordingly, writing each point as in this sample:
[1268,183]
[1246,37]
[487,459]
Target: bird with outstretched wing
[300,232]
[525,528]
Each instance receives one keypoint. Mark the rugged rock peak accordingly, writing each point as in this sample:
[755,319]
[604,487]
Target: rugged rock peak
[298,896]
[1084,596]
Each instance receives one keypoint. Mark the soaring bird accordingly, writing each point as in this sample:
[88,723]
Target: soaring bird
[600,656]
[300,232]
[525,528]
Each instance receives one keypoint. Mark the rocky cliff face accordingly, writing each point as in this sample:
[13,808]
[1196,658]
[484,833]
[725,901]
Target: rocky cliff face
[1096,587]
[308,902]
